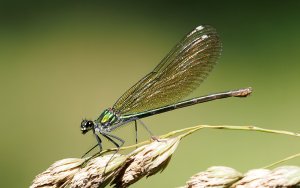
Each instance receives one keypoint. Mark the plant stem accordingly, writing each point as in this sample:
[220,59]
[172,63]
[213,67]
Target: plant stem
[193,129]
[283,160]
[241,128]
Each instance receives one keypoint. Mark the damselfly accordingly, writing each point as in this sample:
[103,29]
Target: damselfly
[162,90]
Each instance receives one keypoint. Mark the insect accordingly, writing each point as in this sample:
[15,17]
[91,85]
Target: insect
[162,90]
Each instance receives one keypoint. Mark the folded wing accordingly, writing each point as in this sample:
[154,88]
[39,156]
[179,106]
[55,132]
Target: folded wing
[177,75]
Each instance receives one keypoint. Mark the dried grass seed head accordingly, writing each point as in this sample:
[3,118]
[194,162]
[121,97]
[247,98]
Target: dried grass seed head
[59,174]
[146,161]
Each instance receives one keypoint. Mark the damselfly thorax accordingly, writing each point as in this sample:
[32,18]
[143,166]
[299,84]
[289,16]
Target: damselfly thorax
[108,117]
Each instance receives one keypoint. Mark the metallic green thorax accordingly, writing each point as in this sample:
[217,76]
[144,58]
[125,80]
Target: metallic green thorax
[108,117]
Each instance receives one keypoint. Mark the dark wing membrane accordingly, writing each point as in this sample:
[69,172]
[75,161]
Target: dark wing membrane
[177,75]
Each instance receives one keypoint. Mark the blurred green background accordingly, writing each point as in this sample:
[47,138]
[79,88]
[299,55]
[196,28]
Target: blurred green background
[61,62]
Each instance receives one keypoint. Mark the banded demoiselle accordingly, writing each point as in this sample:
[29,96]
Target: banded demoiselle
[162,90]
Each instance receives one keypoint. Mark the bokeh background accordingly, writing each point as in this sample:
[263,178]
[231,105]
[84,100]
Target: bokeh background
[61,62]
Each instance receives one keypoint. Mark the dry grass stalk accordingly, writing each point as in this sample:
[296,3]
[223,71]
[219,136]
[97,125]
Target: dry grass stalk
[223,177]
[124,170]
[121,170]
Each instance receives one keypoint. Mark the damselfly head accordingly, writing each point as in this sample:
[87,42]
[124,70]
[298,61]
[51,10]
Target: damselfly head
[86,125]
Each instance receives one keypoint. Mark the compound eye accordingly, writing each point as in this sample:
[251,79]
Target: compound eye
[90,124]
[83,123]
